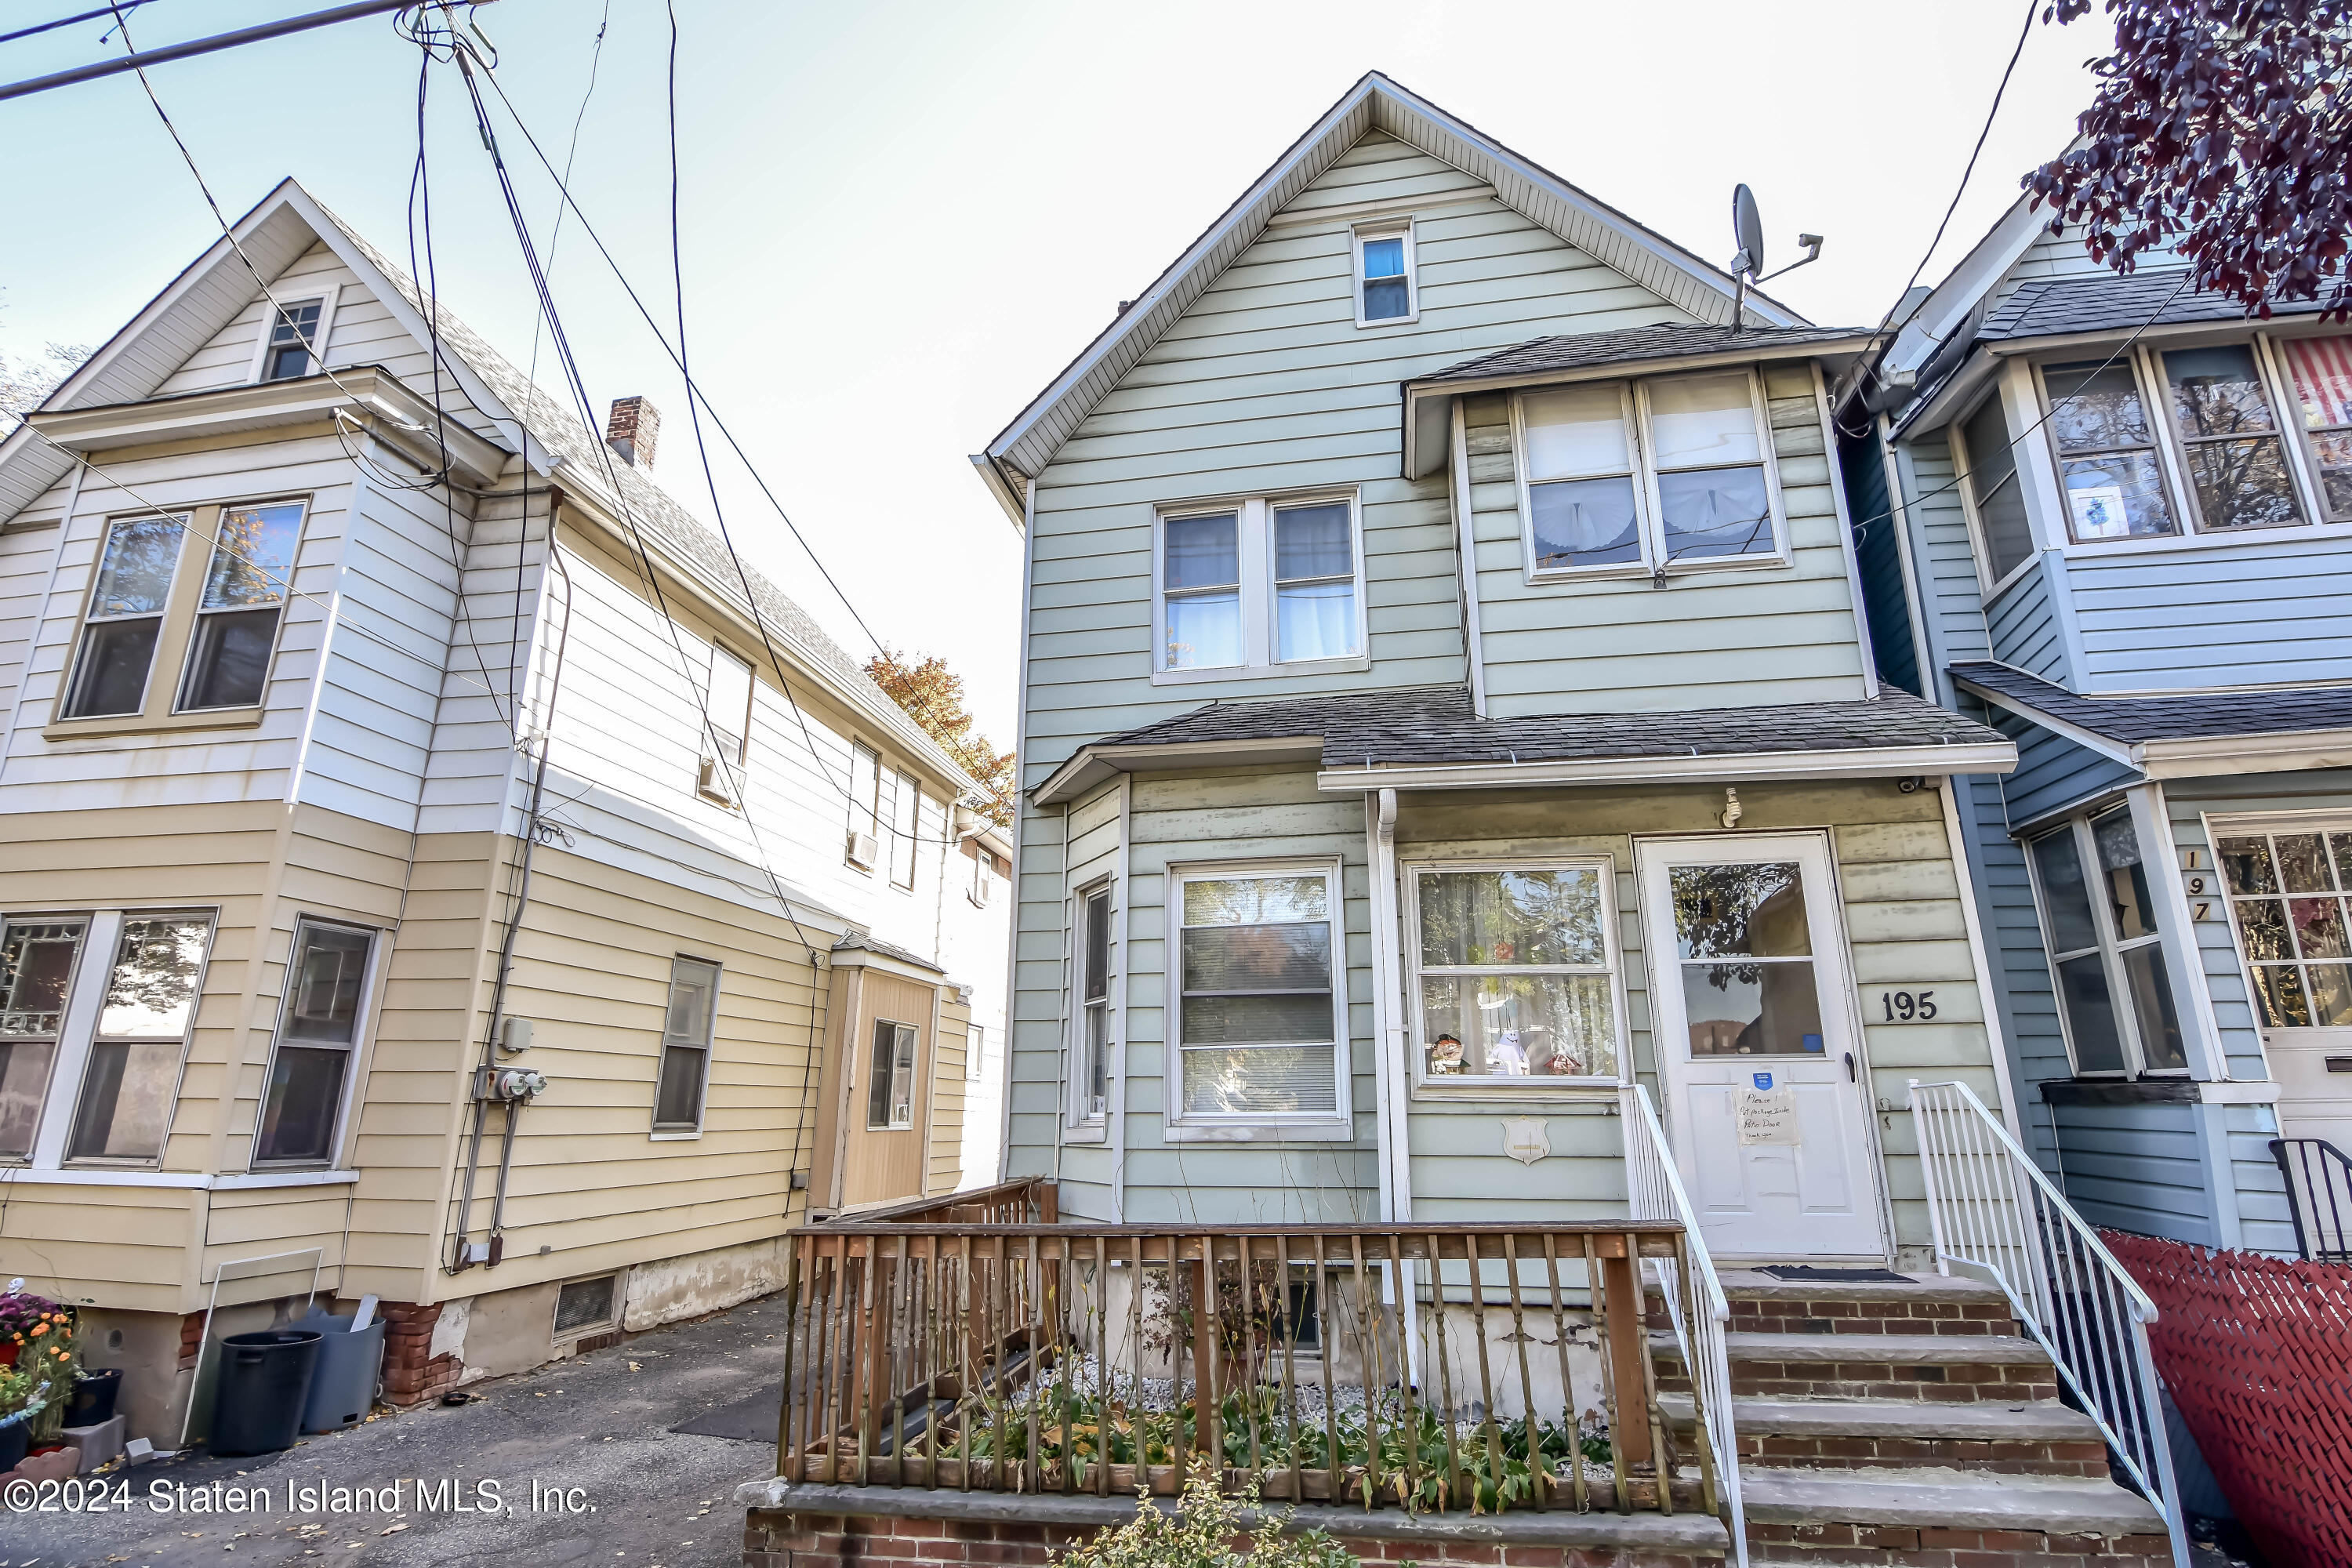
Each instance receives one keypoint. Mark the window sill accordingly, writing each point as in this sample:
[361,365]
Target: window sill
[1561,577]
[676,1135]
[1352,663]
[1087,1132]
[86,1177]
[1517,1091]
[1364,326]
[155,724]
[1328,1132]
[2167,543]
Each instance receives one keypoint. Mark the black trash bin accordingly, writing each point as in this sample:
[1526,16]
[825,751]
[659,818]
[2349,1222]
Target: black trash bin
[264,1380]
[94,1393]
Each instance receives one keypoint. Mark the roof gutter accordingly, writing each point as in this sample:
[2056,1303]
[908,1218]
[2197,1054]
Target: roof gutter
[1698,767]
[2188,756]
[1090,766]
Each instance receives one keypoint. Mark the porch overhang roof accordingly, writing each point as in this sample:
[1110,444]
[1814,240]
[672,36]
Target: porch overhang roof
[1430,738]
[1595,356]
[2183,735]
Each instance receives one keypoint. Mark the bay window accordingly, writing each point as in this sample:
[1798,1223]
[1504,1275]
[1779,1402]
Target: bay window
[1515,975]
[131,1076]
[2287,892]
[2100,925]
[1623,476]
[1257,585]
[318,1031]
[1259,1011]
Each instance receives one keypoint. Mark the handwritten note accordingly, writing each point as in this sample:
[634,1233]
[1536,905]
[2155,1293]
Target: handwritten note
[1767,1116]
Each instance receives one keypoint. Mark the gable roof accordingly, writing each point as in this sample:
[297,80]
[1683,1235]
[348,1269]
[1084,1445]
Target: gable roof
[207,296]
[1022,448]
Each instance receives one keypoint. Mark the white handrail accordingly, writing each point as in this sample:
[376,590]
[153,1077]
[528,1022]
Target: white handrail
[1992,1211]
[1654,1190]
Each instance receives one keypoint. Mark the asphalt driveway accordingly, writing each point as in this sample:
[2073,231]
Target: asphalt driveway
[572,1465]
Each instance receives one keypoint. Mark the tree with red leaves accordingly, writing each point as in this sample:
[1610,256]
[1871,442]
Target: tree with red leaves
[2222,129]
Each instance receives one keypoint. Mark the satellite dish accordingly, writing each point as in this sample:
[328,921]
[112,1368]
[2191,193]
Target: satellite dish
[1747,232]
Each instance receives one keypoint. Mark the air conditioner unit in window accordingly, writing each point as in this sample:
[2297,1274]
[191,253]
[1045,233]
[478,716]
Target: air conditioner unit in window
[863,850]
[712,780]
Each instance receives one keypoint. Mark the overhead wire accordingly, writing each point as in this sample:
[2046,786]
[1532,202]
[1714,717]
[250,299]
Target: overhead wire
[116,11]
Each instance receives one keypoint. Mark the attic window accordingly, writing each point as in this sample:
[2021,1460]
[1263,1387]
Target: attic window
[293,334]
[1385,289]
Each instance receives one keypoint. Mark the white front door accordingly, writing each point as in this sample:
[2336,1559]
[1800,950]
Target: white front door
[2314,1068]
[1755,1044]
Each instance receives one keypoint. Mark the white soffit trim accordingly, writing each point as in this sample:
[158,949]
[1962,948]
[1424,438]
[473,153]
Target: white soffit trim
[1374,103]
[1706,767]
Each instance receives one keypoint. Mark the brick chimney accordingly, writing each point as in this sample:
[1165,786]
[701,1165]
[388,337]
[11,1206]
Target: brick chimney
[633,428]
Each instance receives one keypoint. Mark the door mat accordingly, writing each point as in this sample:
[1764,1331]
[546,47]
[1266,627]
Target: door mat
[751,1419]
[1808,1274]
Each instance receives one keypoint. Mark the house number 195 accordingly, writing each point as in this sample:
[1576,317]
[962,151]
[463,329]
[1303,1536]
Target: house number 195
[1908,1006]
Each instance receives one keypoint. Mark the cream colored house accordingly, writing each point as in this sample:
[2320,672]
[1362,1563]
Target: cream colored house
[424,865]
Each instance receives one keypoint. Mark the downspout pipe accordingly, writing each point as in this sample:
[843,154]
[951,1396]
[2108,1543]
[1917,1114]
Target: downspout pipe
[457,1261]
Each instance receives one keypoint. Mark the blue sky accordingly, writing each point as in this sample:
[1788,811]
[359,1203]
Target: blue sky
[900,219]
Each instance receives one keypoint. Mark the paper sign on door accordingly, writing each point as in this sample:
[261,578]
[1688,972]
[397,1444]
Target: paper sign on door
[1767,1115]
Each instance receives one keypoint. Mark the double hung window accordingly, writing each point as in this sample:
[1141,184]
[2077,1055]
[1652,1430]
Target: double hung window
[2287,893]
[727,695]
[1259,584]
[212,616]
[905,826]
[1385,286]
[316,1036]
[36,971]
[864,807]
[1646,476]
[1259,1011]
[890,1087]
[1515,975]
[685,1070]
[1094,1003]
[293,339]
[2106,452]
[2100,924]
[133,1076]
[2235,461]
[2321,369]
[1994,491]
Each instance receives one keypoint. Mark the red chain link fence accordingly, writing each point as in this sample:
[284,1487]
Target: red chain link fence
[2257,1354]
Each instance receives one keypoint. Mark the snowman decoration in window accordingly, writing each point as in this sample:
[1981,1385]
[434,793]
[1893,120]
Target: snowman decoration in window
[1514,1044]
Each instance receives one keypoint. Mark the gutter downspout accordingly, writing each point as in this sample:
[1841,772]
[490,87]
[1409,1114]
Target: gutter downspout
[1466,554]
[1394,1161]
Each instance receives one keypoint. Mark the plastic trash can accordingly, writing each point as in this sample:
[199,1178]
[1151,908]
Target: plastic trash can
[94,1393]
[344,1385]
[265,1379]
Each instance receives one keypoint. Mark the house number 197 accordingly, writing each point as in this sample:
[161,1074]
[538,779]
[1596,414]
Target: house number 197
[1908,1006]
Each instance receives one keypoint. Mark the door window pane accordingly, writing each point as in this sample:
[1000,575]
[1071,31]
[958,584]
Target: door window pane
[2118,493]
[890,1087]
[2295,944]
[1740,910]
[1994,487]
[1752,1009]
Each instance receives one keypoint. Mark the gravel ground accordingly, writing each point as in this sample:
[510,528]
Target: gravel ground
[632,1493]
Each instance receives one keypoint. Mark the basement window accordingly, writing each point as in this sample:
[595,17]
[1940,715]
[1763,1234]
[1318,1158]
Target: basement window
[583,1306]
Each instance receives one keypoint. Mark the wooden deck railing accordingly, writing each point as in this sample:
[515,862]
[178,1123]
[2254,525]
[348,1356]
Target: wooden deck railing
[1470,1367]
[1025,1200]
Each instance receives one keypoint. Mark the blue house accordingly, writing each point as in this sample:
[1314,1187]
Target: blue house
[2112,518]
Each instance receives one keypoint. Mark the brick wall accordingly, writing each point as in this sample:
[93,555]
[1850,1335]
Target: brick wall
[412,1373]
[821,1541]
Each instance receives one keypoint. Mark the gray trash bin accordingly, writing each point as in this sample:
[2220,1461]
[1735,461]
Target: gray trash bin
[345,1386]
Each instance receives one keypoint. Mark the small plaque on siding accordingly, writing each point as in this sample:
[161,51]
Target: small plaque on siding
[1526,1140]
[1767,1115]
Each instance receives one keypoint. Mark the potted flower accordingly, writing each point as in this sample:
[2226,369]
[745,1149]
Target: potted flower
[41,1332]
[21,1399]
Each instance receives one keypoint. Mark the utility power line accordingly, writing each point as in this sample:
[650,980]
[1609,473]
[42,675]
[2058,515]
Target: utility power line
[197,46]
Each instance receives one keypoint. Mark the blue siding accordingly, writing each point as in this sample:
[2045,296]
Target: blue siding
[1953,610]
[2023,621]
[2138,1168]
[2053,773]
[1885,597]
[2233,612]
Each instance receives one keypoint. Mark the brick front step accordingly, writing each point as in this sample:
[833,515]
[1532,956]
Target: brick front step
[1944,1368]
[1948,1519]
[1923,1304]
[817,1526]
[2021,1439]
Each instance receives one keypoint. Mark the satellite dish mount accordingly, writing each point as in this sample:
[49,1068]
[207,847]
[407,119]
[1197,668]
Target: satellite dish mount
[1747,263]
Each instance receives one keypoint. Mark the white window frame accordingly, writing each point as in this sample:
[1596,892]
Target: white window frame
[362,1020]
[1963,472]
[864,758]
[1081,1115]
[327,298]
[1511,1091]
[1182,1126]
[1648,508]
[911,838]
[975,1052]
[2111,947]
[984,877]
[70,1066]
[2147,371]
[672,1131]
[1254,555]
[1385,228]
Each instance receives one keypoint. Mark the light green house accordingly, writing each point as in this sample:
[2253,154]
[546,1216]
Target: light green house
[1445,699]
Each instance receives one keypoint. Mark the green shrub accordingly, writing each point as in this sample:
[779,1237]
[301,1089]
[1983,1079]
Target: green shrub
[1205,1535]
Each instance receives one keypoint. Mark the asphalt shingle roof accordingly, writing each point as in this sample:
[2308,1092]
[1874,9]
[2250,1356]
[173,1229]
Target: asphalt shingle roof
[2108,303]
[1583,351]
[1434,725]
[2131,720]
[867,942]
